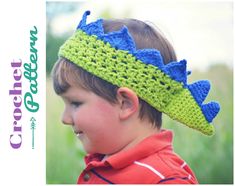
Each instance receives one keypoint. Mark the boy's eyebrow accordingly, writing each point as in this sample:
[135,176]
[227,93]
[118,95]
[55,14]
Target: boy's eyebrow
[64,97]
[69,100]
[70,97]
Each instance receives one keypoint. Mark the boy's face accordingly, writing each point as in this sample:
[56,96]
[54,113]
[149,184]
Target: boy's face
[94,120]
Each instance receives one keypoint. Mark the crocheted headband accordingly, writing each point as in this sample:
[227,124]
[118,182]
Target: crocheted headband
[114,58]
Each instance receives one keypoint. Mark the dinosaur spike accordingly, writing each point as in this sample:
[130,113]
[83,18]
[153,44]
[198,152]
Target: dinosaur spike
[150,56]
[199,90]
[94,28]
[177,71]
[120,40]
[82,23]
[210,110]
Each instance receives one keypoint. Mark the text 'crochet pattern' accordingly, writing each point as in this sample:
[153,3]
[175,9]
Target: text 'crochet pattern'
[114,58]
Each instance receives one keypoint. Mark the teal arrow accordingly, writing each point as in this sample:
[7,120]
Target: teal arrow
[33,126]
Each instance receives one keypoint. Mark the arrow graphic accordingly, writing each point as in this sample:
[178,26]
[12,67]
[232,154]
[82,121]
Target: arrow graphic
[33,126]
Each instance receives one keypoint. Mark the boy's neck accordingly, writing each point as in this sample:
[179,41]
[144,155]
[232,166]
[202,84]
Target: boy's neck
[141,131]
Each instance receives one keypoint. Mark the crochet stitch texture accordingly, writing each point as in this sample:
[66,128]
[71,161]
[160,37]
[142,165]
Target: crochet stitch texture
[114,58]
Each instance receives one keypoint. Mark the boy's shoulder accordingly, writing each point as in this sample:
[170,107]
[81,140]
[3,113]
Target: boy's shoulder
[151,161]
[162,167]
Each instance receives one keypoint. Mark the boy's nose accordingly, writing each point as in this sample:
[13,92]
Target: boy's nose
[66,118]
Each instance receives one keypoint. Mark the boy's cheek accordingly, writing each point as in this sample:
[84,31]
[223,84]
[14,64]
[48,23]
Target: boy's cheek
[106,110]
[98,111]
[97,116]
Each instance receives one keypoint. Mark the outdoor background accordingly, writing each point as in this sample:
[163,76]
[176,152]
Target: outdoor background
[201,32]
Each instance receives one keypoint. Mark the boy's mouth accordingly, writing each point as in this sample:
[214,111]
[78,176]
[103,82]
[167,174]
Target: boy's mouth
[78,133]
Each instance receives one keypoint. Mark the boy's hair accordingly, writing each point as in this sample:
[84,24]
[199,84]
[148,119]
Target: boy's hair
[66,73]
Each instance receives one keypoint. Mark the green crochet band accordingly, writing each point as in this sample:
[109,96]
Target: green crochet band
[122,69]
[114,58]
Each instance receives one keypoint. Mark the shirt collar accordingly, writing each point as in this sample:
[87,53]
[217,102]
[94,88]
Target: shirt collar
[150,145]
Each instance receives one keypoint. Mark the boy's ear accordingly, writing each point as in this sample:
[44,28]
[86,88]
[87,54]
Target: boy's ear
[128,101]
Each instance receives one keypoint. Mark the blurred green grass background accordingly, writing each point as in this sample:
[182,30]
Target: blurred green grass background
[64,153]
[211,158]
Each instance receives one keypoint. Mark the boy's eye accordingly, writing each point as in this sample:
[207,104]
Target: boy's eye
[75,104]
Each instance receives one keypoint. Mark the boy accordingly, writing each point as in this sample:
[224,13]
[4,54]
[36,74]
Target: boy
[113,79]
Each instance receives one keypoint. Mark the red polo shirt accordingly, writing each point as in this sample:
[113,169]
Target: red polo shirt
[152,161]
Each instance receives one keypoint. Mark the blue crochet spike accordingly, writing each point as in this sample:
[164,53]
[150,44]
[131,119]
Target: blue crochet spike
[199,90]
[94,28]
[83,21]
[210,110]
[120,40]
[150,56]
[177,71]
